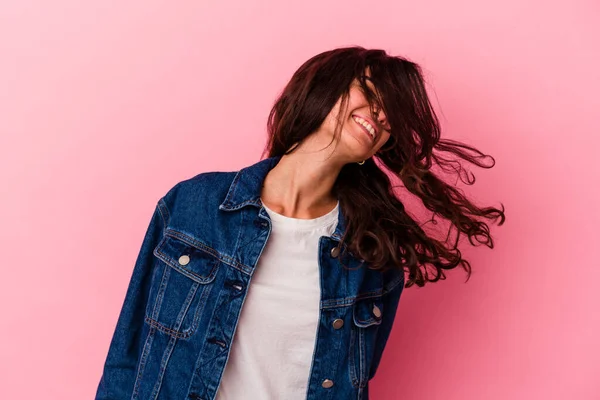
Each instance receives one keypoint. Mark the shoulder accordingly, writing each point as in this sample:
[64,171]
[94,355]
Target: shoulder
[200,186]
[199,195]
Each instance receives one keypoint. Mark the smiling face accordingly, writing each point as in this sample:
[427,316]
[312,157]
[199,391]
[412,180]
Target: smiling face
[363,132]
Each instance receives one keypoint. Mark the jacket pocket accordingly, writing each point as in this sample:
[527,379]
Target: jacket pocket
[180,286]
[366,318]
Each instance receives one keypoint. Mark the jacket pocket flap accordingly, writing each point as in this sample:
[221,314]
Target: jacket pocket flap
[368,311]
[191,261]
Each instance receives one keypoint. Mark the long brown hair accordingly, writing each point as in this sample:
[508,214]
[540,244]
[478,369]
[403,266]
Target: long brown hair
[378,228]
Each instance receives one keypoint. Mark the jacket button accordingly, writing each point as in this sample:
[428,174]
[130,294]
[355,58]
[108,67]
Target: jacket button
[335,252]
[376,311]
[184,260]
[327,383]
[338,323]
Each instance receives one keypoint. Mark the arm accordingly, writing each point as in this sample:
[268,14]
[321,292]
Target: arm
[121,363]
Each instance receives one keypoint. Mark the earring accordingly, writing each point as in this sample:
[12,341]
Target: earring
[361,163]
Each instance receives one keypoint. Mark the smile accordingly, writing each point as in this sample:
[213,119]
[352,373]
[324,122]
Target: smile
[366,126]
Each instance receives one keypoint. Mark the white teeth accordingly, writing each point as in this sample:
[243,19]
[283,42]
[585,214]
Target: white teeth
[366,125]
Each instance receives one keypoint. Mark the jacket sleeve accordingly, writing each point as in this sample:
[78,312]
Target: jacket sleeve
[391,299]
[120,367]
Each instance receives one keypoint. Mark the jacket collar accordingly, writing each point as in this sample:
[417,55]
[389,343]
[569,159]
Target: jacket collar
[245,189]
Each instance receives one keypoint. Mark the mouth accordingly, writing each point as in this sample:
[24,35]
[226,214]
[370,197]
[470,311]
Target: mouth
[367,126]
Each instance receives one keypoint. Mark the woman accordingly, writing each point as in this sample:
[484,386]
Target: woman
[311,243]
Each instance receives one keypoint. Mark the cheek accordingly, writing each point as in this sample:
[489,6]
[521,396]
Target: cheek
[346,121]
[384,138]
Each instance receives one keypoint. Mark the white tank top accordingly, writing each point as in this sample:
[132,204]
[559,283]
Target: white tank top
[272,348]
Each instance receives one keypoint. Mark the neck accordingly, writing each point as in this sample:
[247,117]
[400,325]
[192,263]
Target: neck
[300,185]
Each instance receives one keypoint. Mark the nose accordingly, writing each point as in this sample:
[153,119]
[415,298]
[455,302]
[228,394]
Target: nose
[380,116]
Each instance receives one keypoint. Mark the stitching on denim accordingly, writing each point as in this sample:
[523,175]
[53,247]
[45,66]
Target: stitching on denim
[163,205]
[186,306]
[202,246]
[167,259]
[164,329]
[200,308]
[352,357]
[161,291]
[364,321]
[375,321]
[348,301]
[142,363]
[186,333]
[232,188]
[362,360]
[163,366]
[236,245]
[388,287]
[192,242]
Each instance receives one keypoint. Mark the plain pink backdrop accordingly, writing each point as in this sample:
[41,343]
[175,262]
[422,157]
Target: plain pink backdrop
[105,105]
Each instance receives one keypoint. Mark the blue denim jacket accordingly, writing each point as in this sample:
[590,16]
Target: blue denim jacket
[188,286]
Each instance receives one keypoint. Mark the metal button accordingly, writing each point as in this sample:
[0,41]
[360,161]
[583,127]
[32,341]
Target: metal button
[376,311]
[338,323]
[327,383]
[184,259]
[335,252]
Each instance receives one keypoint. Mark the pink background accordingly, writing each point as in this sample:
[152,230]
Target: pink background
[105,105]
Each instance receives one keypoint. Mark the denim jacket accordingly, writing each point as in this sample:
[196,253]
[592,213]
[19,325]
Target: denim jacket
[189,282]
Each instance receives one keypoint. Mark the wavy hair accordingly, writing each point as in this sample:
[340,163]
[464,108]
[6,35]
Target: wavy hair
[379,230]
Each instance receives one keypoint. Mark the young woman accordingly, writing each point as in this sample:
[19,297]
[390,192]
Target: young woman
[282,280]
